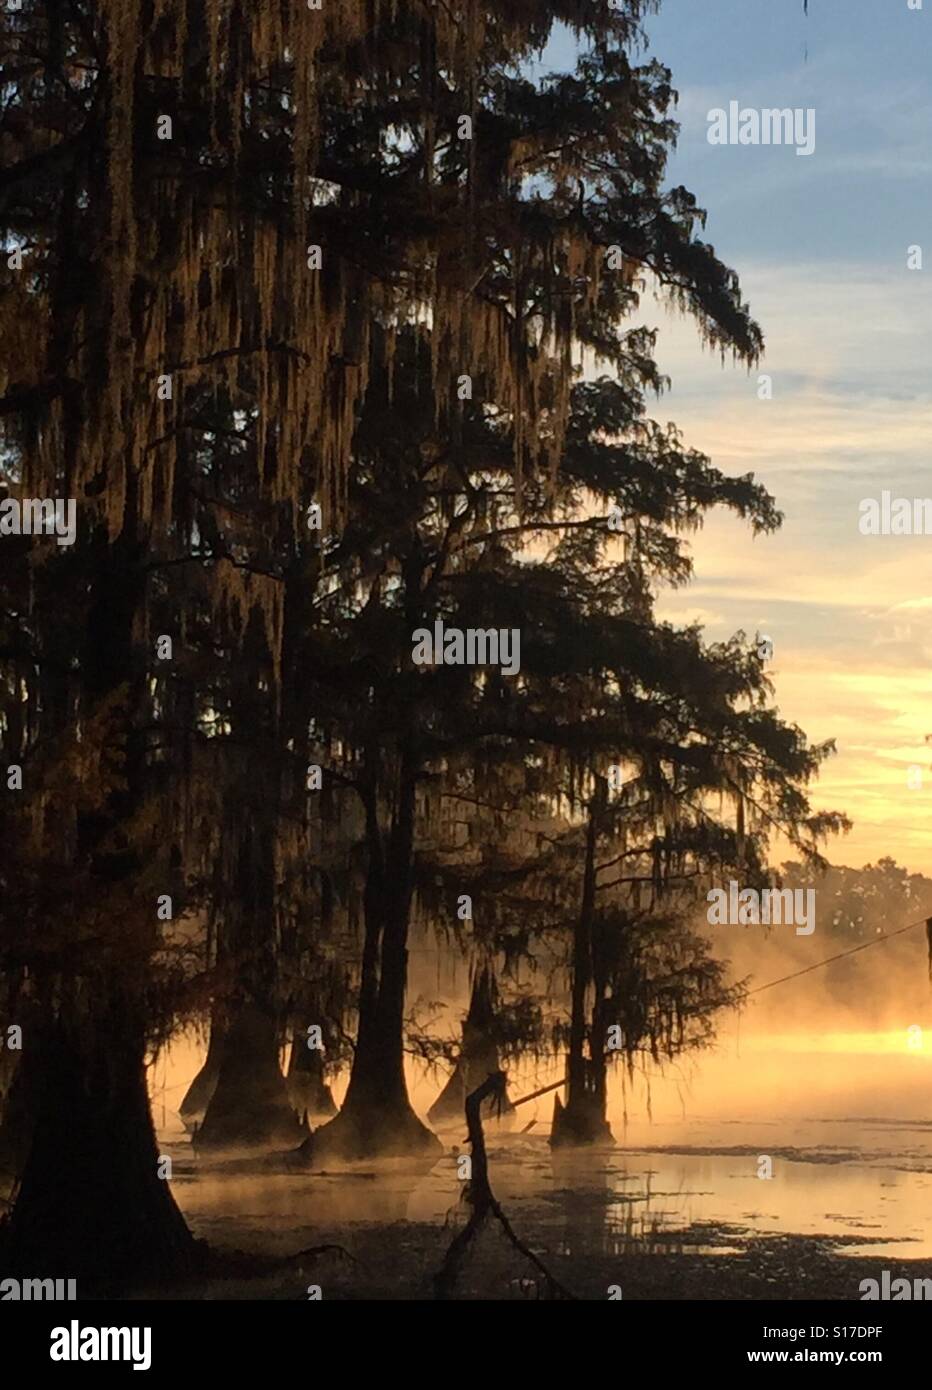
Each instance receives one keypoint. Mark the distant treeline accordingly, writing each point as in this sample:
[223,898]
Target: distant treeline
[857,903]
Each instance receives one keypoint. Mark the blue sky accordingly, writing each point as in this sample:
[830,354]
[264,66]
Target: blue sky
[864,65]
[820,245]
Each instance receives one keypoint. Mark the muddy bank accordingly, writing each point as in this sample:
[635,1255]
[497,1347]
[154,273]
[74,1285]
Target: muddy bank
[398,1261]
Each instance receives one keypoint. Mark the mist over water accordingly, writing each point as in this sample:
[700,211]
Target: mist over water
[826,1075]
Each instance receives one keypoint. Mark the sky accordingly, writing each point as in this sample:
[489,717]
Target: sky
[821,245]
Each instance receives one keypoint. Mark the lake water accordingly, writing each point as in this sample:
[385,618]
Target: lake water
[845,1120]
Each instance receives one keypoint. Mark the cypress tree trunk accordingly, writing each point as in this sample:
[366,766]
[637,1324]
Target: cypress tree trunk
[91,1205]
[250,1106]
[309,1093]
[477,1061]
[582,1120]
[18,1115]
[377,1117]
[91,1202]
[199,1094]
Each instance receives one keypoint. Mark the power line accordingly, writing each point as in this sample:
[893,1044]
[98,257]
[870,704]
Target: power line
[888,936]
[852,951]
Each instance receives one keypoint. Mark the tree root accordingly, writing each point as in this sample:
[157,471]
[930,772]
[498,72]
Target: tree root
[242,1264]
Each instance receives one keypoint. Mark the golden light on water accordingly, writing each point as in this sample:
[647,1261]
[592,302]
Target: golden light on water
[895,1041]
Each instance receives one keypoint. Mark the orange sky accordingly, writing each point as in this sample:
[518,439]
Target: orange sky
[850,616]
